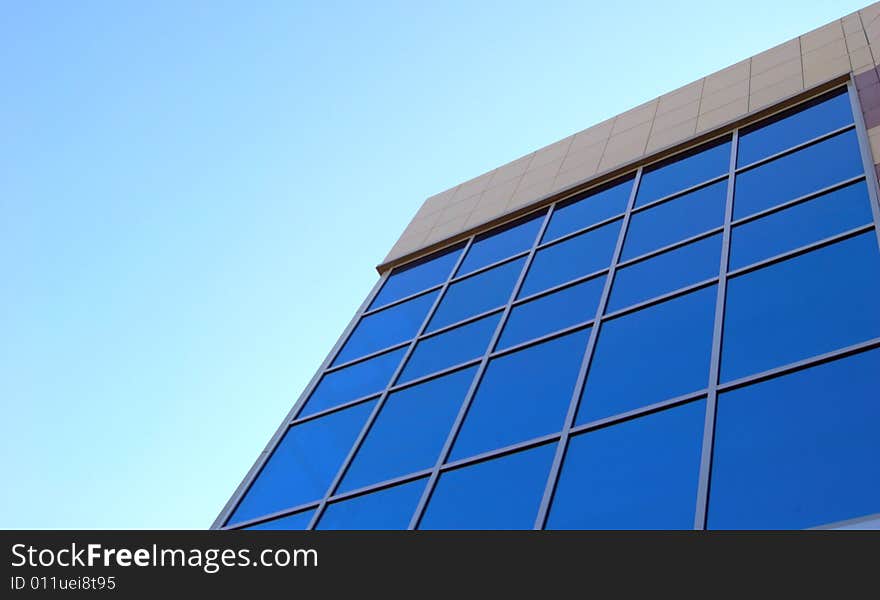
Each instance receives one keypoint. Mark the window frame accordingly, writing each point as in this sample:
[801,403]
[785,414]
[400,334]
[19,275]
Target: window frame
[710,392]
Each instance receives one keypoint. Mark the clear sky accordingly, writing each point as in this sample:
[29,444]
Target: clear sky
[194,195]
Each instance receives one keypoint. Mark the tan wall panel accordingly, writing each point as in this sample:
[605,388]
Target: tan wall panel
[850,44]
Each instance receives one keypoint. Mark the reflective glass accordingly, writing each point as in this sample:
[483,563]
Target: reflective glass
[812,304]
[799,225]
[304,464]
[581,255]
[573,215]
[675,220]
[501,243]
[409,431]
[794,127]
[795,450]
[476,294]
[799,450]
[356,381]
[523,395]
[295,522]
[503,493]
[452,347]
[682,172]
[570,306]
[796,174]
[386,328]
[654,354]
[414,278]
[391,508]
[666,272]
[639,474]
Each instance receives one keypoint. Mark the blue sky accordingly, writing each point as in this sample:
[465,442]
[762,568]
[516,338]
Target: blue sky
[194,196]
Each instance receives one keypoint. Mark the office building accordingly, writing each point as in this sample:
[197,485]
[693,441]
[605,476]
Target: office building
[669,320]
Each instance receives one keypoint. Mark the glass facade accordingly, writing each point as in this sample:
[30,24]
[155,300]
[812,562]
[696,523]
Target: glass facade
[693,345]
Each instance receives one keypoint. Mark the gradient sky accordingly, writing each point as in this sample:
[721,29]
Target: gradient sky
[194,195]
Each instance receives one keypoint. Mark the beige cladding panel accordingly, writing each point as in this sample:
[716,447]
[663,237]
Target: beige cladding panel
[847,45]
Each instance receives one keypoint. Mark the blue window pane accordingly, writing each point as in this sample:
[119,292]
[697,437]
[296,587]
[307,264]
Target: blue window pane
[573,258]
[666,272]
[799,450]
[385,328]
[799,225]
[503,493]
[654,354]
[353,382]
[479,293]
[808,305]
[451,347]
[639,474]
[499,244]
[410,430]
[684,171]
[295,522]
[523,395]
[391,508]
[567,307]
[797,174]
[675,220]
[419,276]
[794,127]
[304,464]
[573,215]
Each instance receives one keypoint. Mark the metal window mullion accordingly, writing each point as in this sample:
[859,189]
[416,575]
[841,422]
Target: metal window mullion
[558,333]
[800,365]
[490,455]
[676,245]
[403,300]
[637,412]
[679,193]
[381,401]
[654,300]
[796,201]
[562,445]
[403,385]
[278,514]
[865,151]
[463,322]
[800,250]
[365,357]
[559,287]
[702,500]
[792,149]
[579,232]
[478,376]
[488,267]
[299,420]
